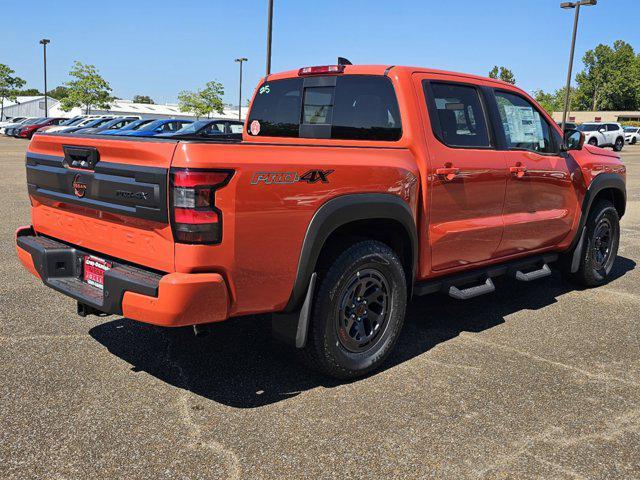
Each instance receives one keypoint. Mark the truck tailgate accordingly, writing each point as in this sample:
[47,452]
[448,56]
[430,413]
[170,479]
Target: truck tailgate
[104,195]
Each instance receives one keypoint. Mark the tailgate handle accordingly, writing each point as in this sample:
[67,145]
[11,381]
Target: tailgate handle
[80,157]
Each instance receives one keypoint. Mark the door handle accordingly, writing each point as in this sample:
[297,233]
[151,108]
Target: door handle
[518,171]
[449,173]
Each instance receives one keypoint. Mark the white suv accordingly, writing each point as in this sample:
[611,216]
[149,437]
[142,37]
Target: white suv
[603,135]
[632,135]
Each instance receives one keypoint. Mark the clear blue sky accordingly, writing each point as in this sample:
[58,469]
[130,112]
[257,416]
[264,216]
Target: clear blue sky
[160,47]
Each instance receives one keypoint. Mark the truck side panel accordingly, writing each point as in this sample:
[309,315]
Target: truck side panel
[268,205]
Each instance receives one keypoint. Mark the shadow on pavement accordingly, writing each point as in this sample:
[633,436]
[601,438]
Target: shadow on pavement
[240,365]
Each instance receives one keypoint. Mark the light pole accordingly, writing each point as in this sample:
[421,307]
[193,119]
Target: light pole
[240,60]
[269,29]
[577,6]
[44,42]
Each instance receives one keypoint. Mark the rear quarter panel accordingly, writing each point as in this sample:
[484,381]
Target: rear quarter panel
[264,225]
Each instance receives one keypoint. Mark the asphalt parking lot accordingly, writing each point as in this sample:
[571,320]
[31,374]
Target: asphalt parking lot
[535,381]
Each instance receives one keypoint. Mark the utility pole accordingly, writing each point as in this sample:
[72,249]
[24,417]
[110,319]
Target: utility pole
[240,60]
[269,29]
[576,5]
[44,42]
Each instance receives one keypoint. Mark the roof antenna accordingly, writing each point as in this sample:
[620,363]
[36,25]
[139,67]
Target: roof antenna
[343,61]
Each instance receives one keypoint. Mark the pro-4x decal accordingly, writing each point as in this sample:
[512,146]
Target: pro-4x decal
[310,176]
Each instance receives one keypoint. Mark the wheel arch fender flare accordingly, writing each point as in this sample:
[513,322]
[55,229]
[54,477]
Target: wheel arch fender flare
[603,181]
[338,212]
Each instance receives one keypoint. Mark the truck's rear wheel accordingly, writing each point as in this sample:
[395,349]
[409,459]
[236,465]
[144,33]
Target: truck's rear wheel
[600,246]
[358,311]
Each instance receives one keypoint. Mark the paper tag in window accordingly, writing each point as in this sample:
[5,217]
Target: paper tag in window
[255,127]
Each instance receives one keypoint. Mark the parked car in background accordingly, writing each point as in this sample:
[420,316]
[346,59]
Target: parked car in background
[68,122]
[9,126]
[80,121]
[12,130]
[95,122]
[114,124]
[632,135]
[603,135]
[201,128]
[12,120]
[27,131]
[151,129]
[129,128]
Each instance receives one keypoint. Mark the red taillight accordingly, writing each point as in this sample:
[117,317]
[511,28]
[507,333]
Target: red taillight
[195,218]
[323,70]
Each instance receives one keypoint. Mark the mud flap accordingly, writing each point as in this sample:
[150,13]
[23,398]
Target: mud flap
[292,328]
[577,253]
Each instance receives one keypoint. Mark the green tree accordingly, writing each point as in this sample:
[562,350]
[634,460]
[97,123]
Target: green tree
[88,89]
[610,79]
[552,101]
[59,92]
[9,86]
[29,92]
[503,74]
[202,102]
[143,99]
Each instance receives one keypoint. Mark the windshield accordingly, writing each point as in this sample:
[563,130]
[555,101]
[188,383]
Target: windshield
[589,127]
[151,126]
[96,122]
[136,125]
[117,121]
[631,129]
[70,121]
[34,121]
[85,121]
[194,127]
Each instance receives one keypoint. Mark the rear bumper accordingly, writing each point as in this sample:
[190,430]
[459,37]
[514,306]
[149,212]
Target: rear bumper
[171,300]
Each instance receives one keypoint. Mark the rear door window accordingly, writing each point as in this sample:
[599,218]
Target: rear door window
[366,108]
[458,116]
[353,107]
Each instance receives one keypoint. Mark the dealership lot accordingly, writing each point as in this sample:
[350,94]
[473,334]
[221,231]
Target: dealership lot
[535,381]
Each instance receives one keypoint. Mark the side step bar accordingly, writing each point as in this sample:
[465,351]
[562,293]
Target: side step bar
[470,292]
[545,271]
[478,282]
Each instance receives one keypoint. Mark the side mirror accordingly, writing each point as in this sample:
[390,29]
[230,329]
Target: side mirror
[602,130]
[573,139]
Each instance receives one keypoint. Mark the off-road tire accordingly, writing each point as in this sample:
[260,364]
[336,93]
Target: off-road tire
[327,348]
[592,271]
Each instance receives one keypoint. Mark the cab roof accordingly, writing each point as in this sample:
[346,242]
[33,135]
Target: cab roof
[388,70]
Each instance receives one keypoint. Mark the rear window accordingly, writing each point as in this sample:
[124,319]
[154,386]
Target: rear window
[353,107]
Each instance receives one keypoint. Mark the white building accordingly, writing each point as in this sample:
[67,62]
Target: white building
[26,107]
[143,110]
[34,107]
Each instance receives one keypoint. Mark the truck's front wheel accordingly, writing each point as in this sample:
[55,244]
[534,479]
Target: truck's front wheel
[358,311]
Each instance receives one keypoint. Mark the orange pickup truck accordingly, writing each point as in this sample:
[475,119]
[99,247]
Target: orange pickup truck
[352,189]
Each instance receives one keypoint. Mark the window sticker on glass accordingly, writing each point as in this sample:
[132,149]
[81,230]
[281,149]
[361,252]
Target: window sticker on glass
[264,89]
[523,125]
